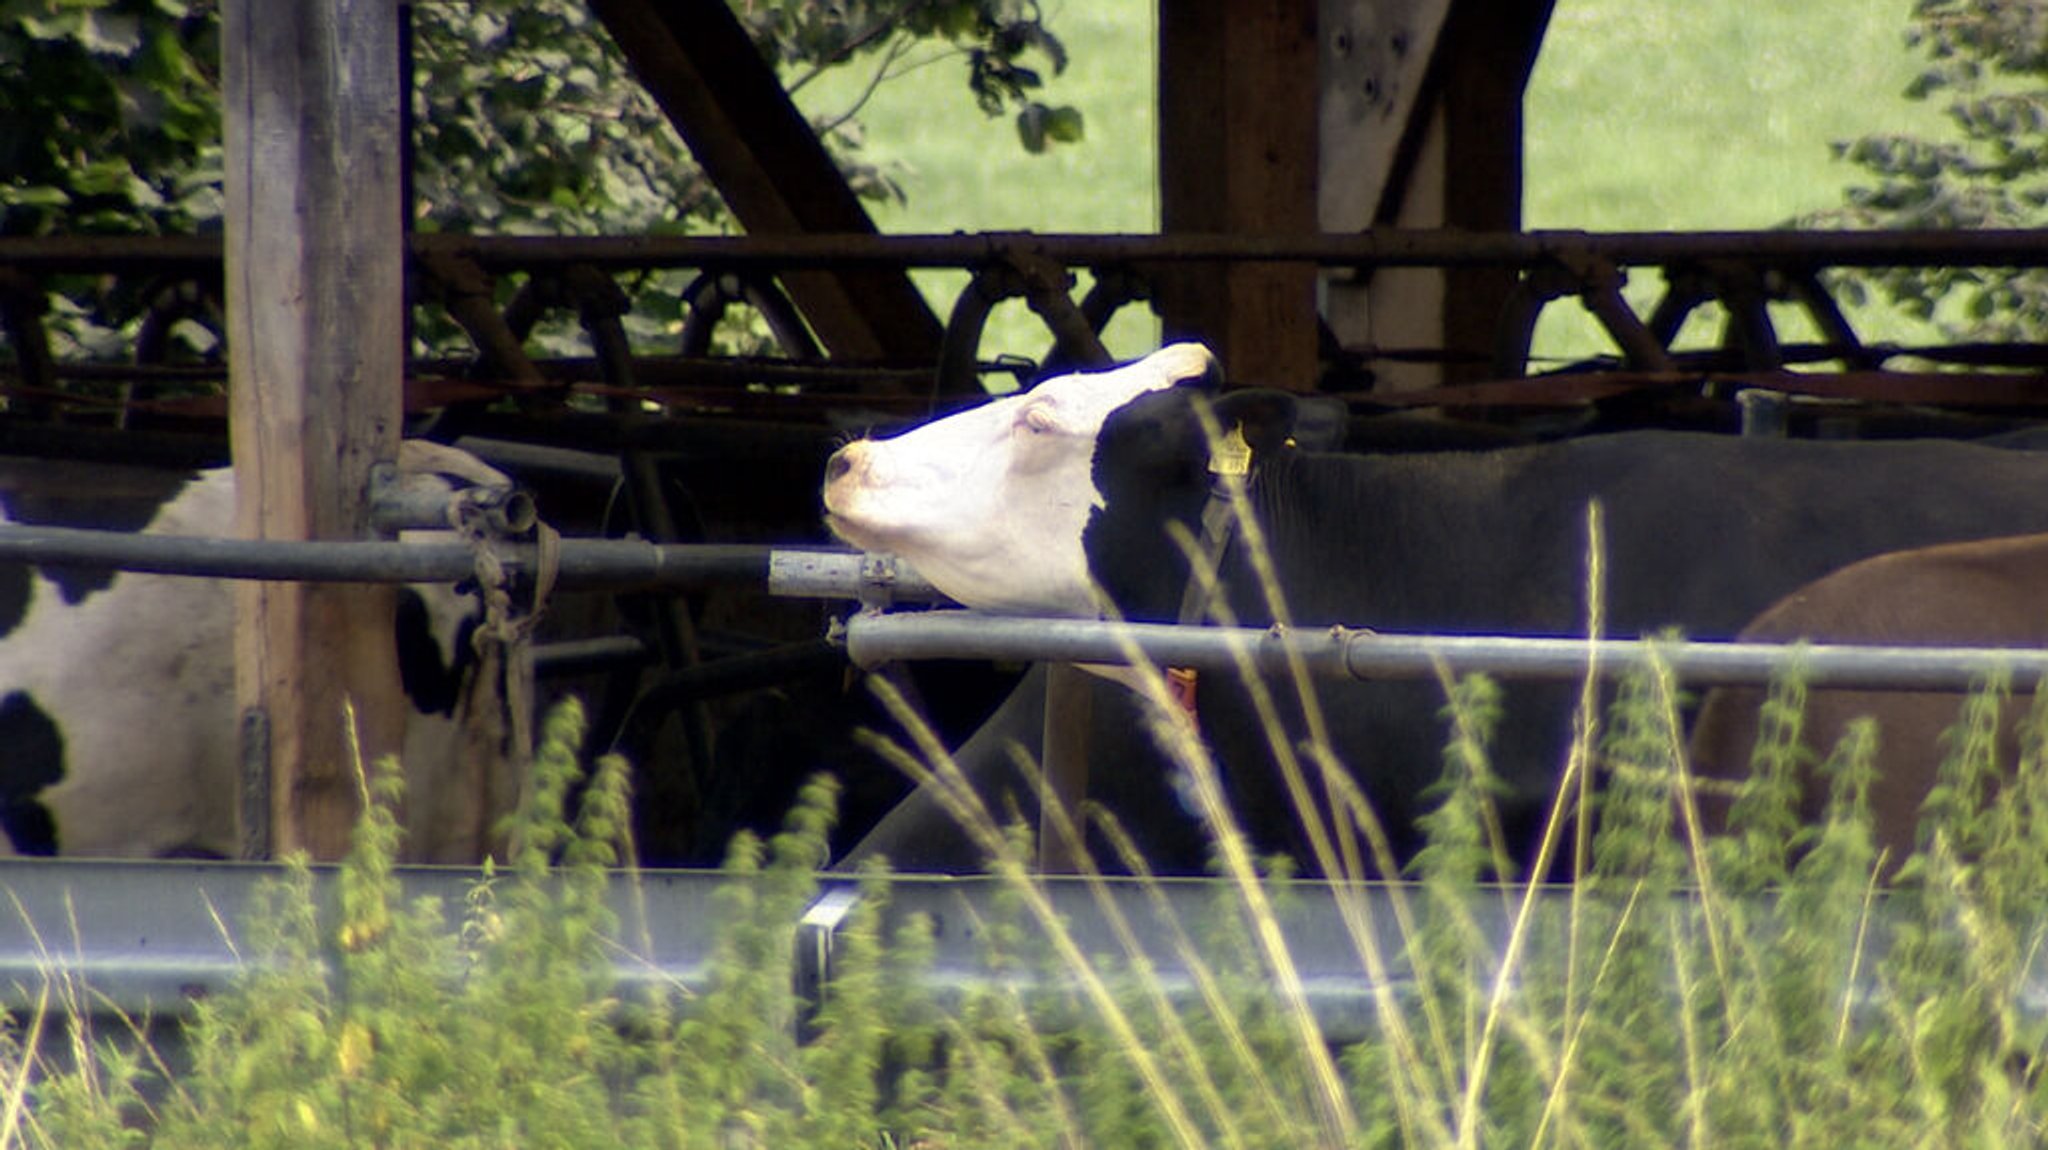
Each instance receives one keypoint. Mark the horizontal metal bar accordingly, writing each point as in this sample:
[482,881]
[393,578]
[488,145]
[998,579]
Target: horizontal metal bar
[394,508]
[512,455]
[153,938]
[874,579]
[1337,652]
[157,936]
[1378,247]
[583,563]
[586,656]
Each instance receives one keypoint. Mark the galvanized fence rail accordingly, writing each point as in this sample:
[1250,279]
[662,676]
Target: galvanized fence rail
[1342,652]
[872,637]
[152,939]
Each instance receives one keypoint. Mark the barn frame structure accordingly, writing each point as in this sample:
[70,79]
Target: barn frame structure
[1340,191]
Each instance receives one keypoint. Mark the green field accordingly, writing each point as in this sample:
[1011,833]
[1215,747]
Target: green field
[1688,114]
[1707,114]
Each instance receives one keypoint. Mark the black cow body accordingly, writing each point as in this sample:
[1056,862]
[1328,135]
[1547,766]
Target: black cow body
[1702,533]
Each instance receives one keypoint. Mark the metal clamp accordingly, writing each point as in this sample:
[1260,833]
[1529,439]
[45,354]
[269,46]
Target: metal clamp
[878,581]
[393,508]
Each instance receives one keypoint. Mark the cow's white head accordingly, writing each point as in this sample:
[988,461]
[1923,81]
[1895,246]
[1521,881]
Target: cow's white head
[990,504]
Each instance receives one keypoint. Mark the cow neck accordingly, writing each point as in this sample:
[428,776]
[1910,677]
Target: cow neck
[1219,527]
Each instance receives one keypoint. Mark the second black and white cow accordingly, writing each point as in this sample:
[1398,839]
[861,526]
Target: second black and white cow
[1034,502]
[118,734]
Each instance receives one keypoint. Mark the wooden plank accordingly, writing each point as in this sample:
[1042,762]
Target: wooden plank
[1375,63]
[1069,707]
[1237,153]
[1492,47]
[314,296]
[1454,161]
[775,175]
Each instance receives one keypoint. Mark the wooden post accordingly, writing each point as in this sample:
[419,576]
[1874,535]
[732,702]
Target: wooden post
[1237,153]
[1422,128]
[314,265]
[1069,708]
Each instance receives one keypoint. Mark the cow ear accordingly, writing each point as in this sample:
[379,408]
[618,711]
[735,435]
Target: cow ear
[1266,417]
[1321,423]
[1188,365]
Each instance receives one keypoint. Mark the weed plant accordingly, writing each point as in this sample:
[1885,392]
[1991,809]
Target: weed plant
[1760,987]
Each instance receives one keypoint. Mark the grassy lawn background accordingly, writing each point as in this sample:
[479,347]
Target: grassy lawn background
[1689,114]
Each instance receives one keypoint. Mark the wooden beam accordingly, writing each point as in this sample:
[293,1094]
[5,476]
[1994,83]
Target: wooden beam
[1237,153]
[315,289]
[1375,63]
[697,61]
[1069,710]
[1447,155]
[1483,78]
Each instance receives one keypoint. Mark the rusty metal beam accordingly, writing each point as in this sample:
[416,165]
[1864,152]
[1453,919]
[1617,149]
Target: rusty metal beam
[1377,247]
[1933,388]
[697,61]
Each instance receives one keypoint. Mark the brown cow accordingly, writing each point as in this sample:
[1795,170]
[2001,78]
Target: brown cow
[1987,593]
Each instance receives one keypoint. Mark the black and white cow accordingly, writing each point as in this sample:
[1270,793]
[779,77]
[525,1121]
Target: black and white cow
[118,734]
[1034,502]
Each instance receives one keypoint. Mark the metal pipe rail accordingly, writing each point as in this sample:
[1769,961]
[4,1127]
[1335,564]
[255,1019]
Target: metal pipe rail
[152,938]
[1339,652]
[873,638]
[583,563]
[876,580]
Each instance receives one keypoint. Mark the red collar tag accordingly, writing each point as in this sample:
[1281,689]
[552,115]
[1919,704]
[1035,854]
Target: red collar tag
[1180,683]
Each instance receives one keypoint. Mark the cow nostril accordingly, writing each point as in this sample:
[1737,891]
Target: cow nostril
[840,465]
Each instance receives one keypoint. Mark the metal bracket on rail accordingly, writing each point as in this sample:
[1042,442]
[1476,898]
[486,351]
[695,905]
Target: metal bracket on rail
[507,511]
[878,581]
[1601,281]
[1017,267]
[469,293]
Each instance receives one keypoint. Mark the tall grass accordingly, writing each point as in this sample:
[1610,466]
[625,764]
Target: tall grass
[1686,991]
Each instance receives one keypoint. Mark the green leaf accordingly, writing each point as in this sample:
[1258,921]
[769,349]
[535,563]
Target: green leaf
[1064,124]
[110,33]
[103,177]
[34,196]
[1031,128]
[960,21]
[56,26]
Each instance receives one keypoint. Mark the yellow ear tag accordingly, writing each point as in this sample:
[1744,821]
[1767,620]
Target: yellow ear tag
[1233,456]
